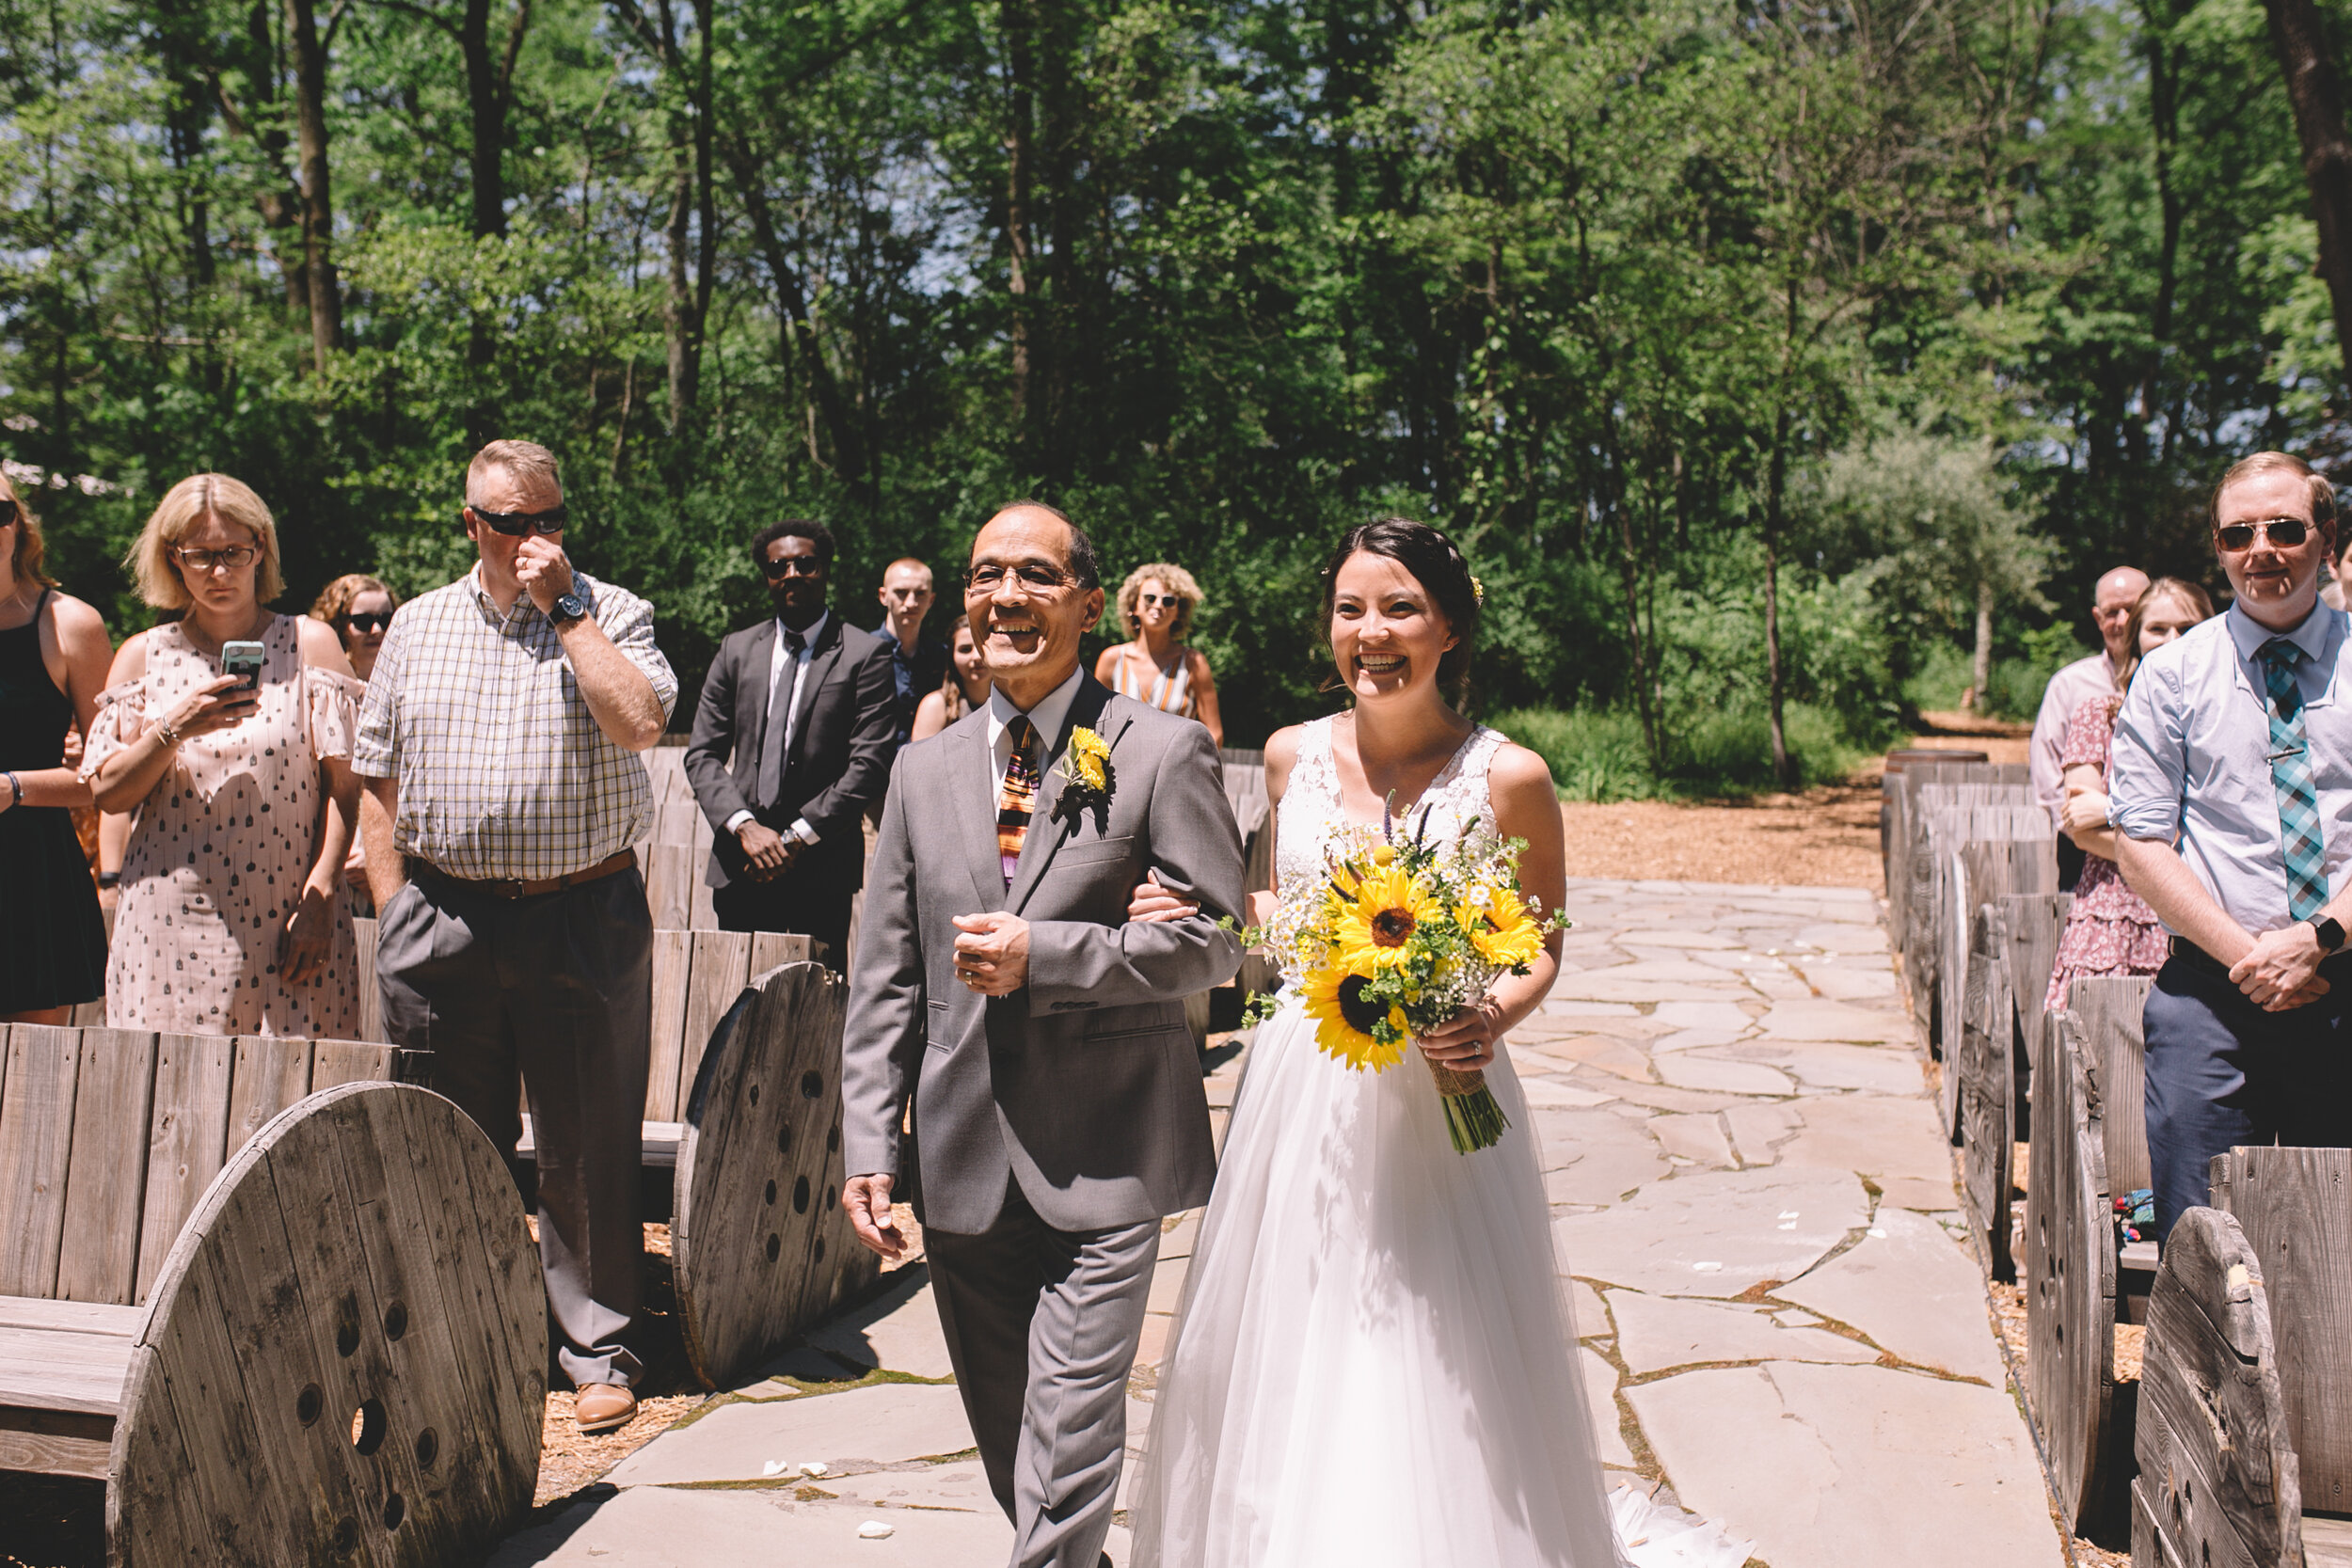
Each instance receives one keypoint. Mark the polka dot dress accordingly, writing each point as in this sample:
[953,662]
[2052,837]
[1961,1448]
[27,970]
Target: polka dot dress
[220,849]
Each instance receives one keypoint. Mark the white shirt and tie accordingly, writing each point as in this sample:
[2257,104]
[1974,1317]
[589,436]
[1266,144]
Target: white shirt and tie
[1047,716]
[779,653]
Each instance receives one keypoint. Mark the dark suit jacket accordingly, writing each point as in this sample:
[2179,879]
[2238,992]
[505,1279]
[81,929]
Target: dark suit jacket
[1083,1086]
[843,740]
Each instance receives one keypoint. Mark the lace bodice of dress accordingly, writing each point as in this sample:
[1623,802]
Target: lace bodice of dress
[1311,809]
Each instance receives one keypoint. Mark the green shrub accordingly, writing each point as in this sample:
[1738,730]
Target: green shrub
[1598,755]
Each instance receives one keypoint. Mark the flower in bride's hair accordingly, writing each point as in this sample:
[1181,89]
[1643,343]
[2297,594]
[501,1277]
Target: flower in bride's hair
[1346,1018]
[1376,926]
[1505,932]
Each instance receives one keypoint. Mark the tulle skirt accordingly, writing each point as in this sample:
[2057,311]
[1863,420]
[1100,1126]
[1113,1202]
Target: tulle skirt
[1374,1363]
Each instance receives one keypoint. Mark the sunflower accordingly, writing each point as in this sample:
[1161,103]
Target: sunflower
[1375,926]
[1344,1020]
[1503,929]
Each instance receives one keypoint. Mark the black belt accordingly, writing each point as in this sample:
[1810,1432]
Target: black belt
[531,887]
[2336,966]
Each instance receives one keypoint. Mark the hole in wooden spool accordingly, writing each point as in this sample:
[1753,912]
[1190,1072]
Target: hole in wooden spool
[394,1512]
[771,1194]
[753,1095]
[775,1246]
[812,1085]
[346,1537]
[395,1321]
[367,1427]
[833,1139]
[309,1403]
[346,1337]
[428,1447]
[830,1197]
[799,1196]
[783,1139]
[820,1249]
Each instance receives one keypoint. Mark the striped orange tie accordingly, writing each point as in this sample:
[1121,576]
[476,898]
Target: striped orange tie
[1018,796]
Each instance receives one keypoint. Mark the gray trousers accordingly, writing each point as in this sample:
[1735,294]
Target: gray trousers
[1042,1328]
[560,987]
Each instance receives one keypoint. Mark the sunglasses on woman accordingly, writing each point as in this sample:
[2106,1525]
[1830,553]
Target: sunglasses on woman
[364,621]
[2284,532]
[515,524]
[1151,600]
[7,512]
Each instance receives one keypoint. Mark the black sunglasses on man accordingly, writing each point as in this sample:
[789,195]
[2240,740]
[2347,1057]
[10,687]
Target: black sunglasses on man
[515,524]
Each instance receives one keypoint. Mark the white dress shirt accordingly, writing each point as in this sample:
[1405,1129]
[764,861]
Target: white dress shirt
[778,652]
[2068,689]
[1047,716]
[2192,756]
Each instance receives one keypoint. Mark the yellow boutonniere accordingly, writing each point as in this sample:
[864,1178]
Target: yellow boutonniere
[1087,776]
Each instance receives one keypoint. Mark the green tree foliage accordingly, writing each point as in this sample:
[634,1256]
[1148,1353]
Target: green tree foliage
[1628,296]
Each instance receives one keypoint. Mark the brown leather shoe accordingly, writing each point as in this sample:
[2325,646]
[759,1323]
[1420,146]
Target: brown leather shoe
[603,1407]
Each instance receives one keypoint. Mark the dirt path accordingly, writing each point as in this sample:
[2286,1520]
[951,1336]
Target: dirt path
[1826,837]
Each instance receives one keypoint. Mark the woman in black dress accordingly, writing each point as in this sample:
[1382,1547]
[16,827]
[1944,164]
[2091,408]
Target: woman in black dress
[53,654]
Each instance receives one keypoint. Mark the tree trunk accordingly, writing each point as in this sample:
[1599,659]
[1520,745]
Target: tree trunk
[682,324]
[1019,23]
[2313,87]
[318,208]
[1775,491]
[1980,675]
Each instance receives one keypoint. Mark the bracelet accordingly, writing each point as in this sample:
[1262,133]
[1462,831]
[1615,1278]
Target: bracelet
[16,789]
[110,879]
[170,731]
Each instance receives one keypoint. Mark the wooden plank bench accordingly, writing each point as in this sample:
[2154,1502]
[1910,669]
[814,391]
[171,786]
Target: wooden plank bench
[2245,1430]
[1985,1071]
[221,1258]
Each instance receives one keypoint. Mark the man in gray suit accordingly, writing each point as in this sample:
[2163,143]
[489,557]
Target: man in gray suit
[1039,1039]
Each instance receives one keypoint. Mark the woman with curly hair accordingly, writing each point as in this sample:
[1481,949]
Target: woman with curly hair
[359,608]
[1156,604]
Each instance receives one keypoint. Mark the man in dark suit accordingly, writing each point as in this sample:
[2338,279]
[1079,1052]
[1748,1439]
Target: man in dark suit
[793,740]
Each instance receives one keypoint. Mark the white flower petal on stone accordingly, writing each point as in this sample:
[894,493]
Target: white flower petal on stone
[812,1470]
[874,1529]
[773,1467]
[1707,1268]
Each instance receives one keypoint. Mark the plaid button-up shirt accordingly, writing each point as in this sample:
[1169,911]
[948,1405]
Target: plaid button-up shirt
[502,769]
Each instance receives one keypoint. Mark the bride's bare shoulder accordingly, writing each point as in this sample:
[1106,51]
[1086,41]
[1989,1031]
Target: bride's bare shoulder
[1519,775]
[1281,756]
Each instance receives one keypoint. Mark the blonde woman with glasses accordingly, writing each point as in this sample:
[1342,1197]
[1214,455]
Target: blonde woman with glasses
[1156,604]
[231,920]
[53,661]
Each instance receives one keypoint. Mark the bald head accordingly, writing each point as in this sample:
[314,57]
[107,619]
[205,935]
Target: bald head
[2111,609]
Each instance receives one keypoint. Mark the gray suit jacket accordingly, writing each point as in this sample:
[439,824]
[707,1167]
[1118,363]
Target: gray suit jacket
[1084,1086]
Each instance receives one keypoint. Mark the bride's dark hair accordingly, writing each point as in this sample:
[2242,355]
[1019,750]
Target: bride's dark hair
[1437,565]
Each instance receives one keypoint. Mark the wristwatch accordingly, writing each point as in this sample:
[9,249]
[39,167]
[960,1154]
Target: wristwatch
[2328,931]
[568,608]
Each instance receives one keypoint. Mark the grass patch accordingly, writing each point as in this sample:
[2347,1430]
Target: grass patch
[1597,754]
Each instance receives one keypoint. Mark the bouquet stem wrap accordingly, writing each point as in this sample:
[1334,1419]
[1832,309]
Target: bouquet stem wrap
[1471,1115]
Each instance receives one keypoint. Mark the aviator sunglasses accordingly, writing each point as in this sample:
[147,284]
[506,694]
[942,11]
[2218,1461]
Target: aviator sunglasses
[515,524]
[2283,532]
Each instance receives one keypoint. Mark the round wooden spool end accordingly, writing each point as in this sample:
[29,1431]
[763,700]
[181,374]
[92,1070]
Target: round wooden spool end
[760,1246]
[2071,1276]
[344,1358]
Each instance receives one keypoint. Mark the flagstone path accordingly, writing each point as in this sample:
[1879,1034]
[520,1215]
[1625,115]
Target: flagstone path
[1779,1318]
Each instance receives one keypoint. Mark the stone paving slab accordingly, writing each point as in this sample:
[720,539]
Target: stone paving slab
[898,1332]
[1853,1467]
[1655,1333]
[1910,1287]
[885,1424]
[1714,1233]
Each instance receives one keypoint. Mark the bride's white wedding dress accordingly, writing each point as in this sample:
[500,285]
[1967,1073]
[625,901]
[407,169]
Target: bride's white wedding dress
[1374,1363]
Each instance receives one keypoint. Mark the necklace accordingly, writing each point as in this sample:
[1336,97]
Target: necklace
[210,649]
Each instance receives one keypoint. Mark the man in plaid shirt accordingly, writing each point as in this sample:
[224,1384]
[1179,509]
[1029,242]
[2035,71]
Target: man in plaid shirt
[498,745]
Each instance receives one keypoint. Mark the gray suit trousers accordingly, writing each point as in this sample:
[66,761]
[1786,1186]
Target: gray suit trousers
[1042,1328]
[560,987]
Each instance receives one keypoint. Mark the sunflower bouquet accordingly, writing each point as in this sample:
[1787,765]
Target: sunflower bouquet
[1398,936]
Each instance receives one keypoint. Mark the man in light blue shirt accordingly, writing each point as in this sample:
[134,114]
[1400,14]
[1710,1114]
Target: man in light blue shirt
[2237,742]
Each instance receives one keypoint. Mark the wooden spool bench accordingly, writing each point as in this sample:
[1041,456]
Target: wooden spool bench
[2090,1145]
[340,1353]
[1984,1075]
[741,1147]
[2245,1430]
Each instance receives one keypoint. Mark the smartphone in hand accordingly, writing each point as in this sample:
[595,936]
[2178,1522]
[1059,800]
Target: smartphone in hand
[245,659]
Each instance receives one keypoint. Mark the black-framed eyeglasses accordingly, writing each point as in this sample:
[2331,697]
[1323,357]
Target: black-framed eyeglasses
[1174,601]
[515,524]
[1035,575]
[365,621]
[793,566]
[234,557]
[8,512]
[2284,532]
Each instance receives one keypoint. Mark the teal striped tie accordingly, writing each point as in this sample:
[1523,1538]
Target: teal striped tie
[2299,836]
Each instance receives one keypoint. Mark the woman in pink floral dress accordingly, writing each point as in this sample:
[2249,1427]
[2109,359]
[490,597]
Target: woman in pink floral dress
[2109,930]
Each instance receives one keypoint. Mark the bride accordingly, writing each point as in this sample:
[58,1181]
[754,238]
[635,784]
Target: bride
[1375,1362]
